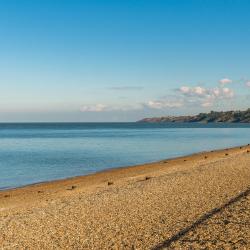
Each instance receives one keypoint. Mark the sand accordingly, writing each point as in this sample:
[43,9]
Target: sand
[200,201]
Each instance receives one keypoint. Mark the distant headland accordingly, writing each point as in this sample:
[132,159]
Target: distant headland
[213,116]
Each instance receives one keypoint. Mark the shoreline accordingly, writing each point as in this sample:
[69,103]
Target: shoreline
[147,206]
[117,173]
[107,170]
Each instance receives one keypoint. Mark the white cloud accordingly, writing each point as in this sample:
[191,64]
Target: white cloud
[161,104]
[225,81]
[205,92]
[185,90]
[216,92]
[192,96]
[248,83]
[199,90]
[206,104]
[227,93]
[204,97]
[109,108]
[94,108]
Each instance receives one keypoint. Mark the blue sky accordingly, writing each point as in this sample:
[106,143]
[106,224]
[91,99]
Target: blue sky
[122,60]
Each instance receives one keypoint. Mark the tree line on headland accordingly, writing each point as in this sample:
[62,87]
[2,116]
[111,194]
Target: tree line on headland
[213,116]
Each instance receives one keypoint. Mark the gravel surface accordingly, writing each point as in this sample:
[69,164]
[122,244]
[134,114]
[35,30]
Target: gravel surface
[228,228]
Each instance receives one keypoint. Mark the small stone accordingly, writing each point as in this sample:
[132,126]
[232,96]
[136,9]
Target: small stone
[110,183]
[71,188]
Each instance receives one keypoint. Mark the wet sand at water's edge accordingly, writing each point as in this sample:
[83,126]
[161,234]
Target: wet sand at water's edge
[201,201]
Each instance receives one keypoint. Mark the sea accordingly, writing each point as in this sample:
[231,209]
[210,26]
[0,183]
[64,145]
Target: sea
[38,152]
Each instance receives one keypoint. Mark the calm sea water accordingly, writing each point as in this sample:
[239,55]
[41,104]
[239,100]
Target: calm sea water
[31,153]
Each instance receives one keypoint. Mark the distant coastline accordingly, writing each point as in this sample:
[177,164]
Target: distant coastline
[212,117]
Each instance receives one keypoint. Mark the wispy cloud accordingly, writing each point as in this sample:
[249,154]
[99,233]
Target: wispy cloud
[108,108]
[225,81]
[162,104]
[183,97]
[248,84]
[94,108]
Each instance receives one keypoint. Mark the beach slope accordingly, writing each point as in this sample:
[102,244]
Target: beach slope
[194,202]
